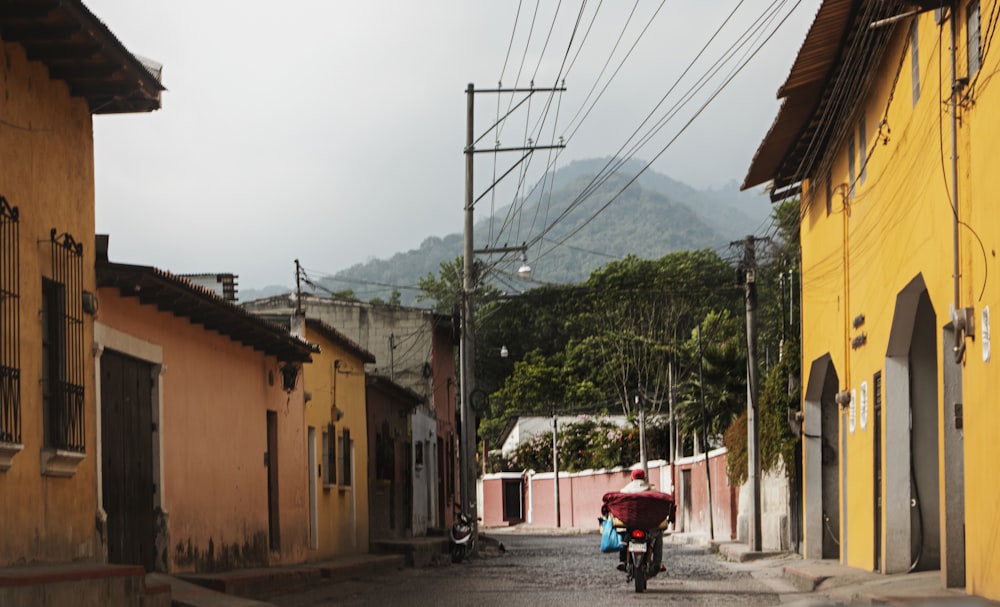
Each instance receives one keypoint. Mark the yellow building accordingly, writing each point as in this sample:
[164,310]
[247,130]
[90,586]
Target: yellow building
[336,442]
[60,65]
[899,234]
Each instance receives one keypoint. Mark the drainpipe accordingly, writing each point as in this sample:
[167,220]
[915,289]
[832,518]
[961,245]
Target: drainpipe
[960,319]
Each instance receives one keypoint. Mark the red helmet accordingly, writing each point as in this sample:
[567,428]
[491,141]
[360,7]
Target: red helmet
[638,474]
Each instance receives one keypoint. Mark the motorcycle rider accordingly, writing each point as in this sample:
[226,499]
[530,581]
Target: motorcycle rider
[638,484]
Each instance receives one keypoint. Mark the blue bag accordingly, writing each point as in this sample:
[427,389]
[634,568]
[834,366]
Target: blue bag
[610,540]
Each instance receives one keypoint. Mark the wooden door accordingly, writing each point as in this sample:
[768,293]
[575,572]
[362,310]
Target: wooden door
[127,458]
[271,461]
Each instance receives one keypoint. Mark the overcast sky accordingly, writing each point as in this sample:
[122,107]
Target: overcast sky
[332,131]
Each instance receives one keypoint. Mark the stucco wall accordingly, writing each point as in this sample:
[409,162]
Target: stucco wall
[47,171]
[896,228]
[580,495]
[389,501]
[336,381]
[216,394]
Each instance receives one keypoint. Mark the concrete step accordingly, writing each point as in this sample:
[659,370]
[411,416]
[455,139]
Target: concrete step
[78,584]
[418,551]
[265,582]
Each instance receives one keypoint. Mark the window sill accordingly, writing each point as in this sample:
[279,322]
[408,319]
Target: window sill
[7,453]
[59,462]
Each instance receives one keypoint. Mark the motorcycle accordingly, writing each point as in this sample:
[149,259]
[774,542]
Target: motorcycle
[638,545]
[463,543]
[639,519]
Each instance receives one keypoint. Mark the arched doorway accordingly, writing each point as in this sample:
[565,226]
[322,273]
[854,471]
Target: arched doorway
[821,447]
[912,496]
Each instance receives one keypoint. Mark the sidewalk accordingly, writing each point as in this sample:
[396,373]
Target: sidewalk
[244,587]
[848,585]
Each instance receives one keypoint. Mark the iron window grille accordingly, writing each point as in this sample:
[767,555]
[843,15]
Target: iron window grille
[10,351]
[346,446]
[329,457]
[63,346]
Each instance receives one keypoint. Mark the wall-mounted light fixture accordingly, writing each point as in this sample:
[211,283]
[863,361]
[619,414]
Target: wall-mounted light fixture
[90,303]
[504,353]
[289,373]
[843,399]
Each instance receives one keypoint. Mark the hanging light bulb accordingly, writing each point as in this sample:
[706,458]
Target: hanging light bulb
[524,272]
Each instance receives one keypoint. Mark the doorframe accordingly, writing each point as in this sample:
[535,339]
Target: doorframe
[313,490]
[106,337]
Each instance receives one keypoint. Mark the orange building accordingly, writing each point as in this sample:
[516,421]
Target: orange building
[202,427]
[60,66]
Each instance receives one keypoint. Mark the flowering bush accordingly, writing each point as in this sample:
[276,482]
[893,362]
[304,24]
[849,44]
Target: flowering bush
[586,445]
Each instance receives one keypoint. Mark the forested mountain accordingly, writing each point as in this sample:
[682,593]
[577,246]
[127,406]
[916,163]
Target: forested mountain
[654,216]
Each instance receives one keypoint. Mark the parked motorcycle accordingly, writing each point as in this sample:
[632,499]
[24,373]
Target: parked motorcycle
[463,542]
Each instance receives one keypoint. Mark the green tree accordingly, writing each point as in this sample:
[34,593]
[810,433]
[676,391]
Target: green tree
[723,367]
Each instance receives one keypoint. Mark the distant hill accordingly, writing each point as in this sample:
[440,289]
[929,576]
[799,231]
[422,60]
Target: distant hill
[654,216]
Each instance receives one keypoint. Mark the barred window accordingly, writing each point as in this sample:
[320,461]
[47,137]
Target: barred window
[346,448]
[10,350]
[63,348]
[329,457]
[385,454]
[975,53]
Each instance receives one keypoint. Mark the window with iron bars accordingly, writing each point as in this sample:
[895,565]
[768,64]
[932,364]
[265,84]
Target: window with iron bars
[10,349]
[63,348]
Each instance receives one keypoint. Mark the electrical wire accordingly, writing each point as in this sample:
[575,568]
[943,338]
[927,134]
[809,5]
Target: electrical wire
[686,125]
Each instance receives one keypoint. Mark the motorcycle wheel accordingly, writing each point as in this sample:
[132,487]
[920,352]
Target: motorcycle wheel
[457,553]
[639,572]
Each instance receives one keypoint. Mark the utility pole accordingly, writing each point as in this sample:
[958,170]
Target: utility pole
[753,425]
[467,350]
[640,403]
[555,464]
[704,433]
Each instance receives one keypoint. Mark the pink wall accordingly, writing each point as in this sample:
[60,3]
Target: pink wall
[694,500]
[215,398]
[580,496]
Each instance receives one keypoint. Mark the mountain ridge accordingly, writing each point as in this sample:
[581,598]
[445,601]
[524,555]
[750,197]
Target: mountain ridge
[647,214]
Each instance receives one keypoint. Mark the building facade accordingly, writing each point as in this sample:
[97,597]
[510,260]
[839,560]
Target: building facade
[887,132]
[415,349]
[202,428]
[48,440]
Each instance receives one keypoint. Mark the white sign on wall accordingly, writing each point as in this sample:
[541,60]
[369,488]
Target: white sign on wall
[853,411]
[985,333]
[864,405]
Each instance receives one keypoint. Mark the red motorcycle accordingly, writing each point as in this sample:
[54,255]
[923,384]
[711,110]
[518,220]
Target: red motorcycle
[640,519]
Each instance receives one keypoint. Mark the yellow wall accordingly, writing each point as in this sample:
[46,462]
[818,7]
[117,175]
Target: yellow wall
[342,512]
[980,287]
[898,225]
[47,171]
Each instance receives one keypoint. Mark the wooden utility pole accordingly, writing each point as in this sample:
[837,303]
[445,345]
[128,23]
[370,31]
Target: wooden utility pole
[467,349]
[753,422]
[555,465]
[704,434]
